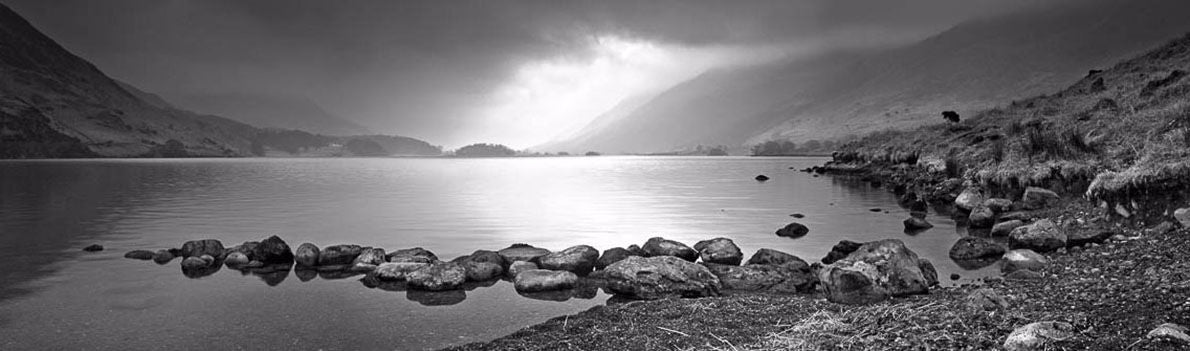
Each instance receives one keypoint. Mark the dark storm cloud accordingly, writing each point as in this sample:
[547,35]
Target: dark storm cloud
[417,67]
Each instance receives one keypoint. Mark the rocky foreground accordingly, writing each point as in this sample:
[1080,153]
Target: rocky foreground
[1128,293]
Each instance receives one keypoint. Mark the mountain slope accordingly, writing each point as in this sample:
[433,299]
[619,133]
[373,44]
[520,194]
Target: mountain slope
[970,67]
[47,93]
[272,112]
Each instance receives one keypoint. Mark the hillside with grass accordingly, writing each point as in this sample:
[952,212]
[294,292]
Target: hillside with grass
[1120,135]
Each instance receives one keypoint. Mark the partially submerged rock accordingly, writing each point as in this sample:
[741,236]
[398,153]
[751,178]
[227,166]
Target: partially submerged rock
[437,277]
[162,256]
[520,266]
[720,251]
[272,250]
[793,230]
[370,256]
[660,277]
[236,259]
[970,248]
[139,254]
[417,254]
[658,246]
[339,254]
[840,250]
[1005,228]
[521,252]
[1041,236]
[307,255]
[93,248]
[396,271]
[1035,336]
[195,248]
[915,223]
[578,259]
[535,280]
[874,272]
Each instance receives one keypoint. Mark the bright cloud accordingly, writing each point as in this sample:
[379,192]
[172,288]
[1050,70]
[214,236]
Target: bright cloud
[558,96]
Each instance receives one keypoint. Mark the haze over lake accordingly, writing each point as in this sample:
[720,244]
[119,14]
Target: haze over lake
[57,297]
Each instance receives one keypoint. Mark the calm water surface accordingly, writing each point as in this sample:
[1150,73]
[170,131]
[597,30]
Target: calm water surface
[54,296]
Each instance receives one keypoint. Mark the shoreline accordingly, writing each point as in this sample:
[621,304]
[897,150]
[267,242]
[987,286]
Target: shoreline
[1113,294]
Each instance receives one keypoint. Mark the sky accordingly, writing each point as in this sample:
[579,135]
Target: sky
[458,72]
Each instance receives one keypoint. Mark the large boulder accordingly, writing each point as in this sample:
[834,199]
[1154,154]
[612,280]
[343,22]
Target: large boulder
[535,280]
[486,256]
[981,217]
[874,272]
[613,255]
[417,254]
[1037,198]
[792,277]
[1023,259]
[479,270]
[658,246]
[397,271]
[370,256]
[339,254]
[719,250]
[196,248]
[306,255]
[1005,228]
[521,252]
[578,259]
[437,277]
[660,277]
[770,256]
[970,248]
[970,198]
[840,250]
[1037,336]
[1041,236]
[793,230]
[272,250]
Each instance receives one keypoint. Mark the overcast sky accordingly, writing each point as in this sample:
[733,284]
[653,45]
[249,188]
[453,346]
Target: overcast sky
[458,72]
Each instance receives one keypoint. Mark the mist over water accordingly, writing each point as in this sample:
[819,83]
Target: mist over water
[49,210]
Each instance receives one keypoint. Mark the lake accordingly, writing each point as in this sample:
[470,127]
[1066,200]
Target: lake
[54,296]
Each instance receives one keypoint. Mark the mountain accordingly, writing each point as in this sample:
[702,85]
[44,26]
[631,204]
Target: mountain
[56,104]
[973,66]
[270,111]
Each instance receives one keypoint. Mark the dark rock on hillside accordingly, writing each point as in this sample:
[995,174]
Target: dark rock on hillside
[613,255]
[93,248]
[578,259]
[970,248]
[139,254]
[544,280]
[719,250]
[793,230]
[521,252]
[793,277]
[339,255]
[1037,198]
[272,250]
[660,277]
[874,272]
[770,256]
[307,255]
[197,248]
[840,250]
[658,246]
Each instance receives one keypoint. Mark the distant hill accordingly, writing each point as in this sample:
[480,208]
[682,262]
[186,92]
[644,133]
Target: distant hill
[55,104]
[968,68]
[269,111]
